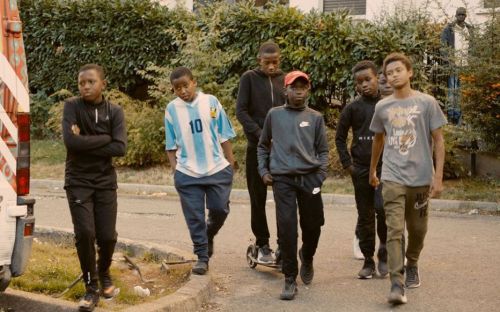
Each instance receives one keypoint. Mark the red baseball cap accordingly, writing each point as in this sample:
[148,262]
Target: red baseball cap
[293,75]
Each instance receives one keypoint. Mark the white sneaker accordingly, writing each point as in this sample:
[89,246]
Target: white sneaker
[358,255]
[265,254]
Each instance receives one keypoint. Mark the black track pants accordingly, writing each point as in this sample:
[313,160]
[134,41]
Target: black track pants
[93,212]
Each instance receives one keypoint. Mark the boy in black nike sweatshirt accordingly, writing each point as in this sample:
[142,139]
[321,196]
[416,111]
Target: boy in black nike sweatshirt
[293,157]
[260,90]
[357,116]
[93,132]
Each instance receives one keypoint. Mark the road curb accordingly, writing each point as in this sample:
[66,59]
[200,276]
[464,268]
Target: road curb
[188,298]
[239,194]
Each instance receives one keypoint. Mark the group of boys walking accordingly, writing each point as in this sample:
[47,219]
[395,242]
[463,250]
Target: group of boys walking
[287,148]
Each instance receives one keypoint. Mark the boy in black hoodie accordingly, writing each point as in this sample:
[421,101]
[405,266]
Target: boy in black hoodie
[93,132]
[260,90]
[358,115]
[293,157]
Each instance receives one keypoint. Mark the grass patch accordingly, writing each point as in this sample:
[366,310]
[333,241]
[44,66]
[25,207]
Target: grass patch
[53,267]
[48,163]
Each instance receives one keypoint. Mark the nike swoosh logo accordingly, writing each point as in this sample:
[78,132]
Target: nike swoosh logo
[421,205]
[304,124]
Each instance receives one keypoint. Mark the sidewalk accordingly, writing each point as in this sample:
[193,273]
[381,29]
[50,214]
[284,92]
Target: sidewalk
[241,195]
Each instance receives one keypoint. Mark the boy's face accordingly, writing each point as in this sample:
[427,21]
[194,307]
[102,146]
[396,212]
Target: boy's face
[91,86]
[185,88]
[366,82]
[384,88]
[297,93]
[269,63]
[397,75]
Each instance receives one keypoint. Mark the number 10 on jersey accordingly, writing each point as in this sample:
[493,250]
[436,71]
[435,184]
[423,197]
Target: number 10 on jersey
[196,126]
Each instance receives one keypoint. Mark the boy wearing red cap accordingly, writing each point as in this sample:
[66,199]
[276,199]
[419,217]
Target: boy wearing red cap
[296,165]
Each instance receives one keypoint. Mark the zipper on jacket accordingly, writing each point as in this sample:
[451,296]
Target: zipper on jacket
[96,115]
[272,91]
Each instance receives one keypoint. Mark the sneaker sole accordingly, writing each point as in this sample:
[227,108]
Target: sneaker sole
[199,271]
[113,294]
[365,277]
[288,297]
[397,300]
[412,286]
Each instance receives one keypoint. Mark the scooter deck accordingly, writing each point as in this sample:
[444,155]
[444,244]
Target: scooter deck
[270,265]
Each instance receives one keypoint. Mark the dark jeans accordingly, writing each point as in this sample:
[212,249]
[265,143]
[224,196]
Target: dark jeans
[93,212]
[369,204]
[258,192]
[291,192]
[194,193]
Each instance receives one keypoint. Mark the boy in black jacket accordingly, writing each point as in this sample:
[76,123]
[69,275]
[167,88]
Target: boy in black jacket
[260,90]
[293,157]
[93,132]
[358,115]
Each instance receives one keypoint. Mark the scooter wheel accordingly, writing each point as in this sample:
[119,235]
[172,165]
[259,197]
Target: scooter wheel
[251,252]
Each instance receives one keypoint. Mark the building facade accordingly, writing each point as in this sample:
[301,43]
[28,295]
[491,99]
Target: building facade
[441,10]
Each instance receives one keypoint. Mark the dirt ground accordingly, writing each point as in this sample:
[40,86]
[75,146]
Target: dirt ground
[53,268]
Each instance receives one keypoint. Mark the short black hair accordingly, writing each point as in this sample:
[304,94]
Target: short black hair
[396,56]
[269,47]
[181,72]
[362,65]
[96,67]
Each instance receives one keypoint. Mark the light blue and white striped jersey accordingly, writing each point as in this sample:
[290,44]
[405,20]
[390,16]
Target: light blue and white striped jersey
[196,130]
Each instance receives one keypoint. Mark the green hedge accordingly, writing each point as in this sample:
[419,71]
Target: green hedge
[122,35]
[139,43]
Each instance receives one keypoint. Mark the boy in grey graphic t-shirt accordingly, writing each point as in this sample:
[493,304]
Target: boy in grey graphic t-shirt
[407,125]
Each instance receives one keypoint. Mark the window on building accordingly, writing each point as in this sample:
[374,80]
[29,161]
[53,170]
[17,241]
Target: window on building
[491,4]
[355,7]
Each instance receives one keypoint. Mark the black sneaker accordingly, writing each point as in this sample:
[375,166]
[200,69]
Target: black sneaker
[412,277]
[368,269]
[200,267]
[89,301]
[397,295]
[210,247]
[289,289]
[306,269]
[108,290]
[383,269]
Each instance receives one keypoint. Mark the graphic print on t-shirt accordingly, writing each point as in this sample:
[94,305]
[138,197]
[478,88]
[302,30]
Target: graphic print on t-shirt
[403,135]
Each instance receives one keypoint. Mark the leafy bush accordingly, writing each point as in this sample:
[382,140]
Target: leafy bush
[145,131]
[481,87]
[139,43]
[122,35]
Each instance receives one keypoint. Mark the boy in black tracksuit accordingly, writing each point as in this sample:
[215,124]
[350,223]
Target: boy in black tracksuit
[293,157]
[93,132]
[358,115]
[260,90]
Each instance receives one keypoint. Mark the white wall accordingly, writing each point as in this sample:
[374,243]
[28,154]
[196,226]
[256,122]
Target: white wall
[188,4]
[307,5]
[440,9]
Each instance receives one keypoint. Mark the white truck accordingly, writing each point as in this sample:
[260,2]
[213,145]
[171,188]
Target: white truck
[16,207]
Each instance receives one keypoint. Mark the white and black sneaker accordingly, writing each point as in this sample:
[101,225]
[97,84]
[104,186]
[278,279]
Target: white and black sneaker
[265,255]
[89,301]
[358,255]
[397,295]
[412,277]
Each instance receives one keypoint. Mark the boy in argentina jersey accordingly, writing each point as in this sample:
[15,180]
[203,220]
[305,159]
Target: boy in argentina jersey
[199,151]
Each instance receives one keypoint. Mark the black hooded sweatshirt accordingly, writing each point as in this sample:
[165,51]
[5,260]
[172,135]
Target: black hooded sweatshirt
[257,94]
[358,116]
[102,135]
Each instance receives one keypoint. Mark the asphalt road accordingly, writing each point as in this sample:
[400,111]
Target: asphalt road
[459,266]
